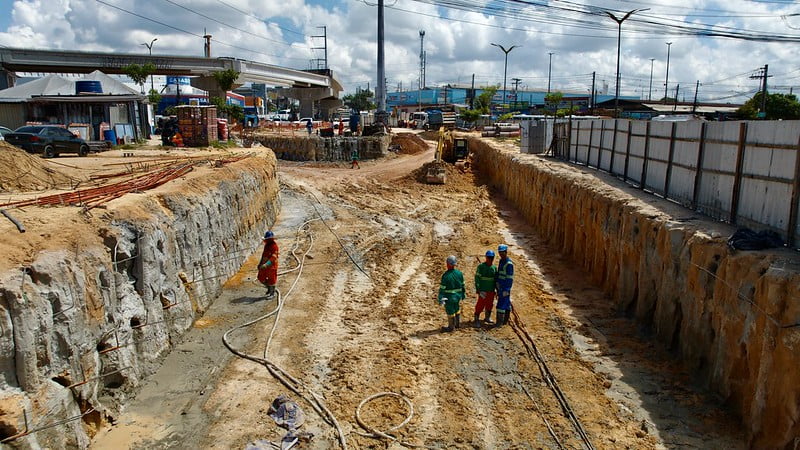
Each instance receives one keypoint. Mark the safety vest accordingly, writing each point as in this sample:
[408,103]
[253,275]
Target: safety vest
[505,273]
[452,285]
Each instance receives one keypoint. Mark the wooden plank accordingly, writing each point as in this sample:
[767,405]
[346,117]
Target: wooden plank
[668,176]
[698,174]
[627,151]
[792,228]
[646,155]
[737,180]
[613,147]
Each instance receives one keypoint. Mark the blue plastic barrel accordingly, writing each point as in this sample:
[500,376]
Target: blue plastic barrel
[88,86]
[110,135]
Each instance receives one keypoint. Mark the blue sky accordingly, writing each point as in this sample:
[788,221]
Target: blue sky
[457,41]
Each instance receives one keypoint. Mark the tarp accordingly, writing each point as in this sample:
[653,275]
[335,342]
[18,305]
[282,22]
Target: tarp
[49,85]
[54,85]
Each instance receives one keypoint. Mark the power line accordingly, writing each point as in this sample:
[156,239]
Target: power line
[260,19]
[193,34]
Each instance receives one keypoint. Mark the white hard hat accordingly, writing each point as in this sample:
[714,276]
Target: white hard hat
[451,260]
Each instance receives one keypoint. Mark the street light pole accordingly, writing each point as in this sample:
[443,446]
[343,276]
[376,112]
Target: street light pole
[666,80]
[505,65]
[650,92]
[549,71]
[619,40]
[150,50]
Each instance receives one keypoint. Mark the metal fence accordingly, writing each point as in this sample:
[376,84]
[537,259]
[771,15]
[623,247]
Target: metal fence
[743,173]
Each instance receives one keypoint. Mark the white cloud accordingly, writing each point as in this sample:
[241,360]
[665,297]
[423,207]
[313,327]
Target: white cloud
[456,49]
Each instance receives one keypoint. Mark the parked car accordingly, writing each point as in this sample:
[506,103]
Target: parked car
[48,140]
[4,131]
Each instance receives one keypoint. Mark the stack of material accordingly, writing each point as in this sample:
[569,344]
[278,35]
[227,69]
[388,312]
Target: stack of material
[198,124]
[501,130]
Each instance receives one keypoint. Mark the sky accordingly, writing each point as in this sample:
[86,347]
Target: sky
[723,44]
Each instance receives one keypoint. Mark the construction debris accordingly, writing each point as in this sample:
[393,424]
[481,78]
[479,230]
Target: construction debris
[21,171]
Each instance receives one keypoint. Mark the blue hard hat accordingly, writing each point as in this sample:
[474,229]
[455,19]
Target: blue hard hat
[269,235]
[502,248]
[490,253]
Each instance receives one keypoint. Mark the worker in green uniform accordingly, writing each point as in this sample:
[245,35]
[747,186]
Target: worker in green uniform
[485,275]
[451,292]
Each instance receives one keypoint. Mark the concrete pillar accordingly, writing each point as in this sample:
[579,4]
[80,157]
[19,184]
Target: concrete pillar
[308,96]
[7,79]
[209,84]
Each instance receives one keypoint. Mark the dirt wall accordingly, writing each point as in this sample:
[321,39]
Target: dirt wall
[729,315]
[315,148]
[82,326]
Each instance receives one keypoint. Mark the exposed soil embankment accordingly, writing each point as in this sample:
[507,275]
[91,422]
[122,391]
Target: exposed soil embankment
[89,313]
[298,147]
[729,315]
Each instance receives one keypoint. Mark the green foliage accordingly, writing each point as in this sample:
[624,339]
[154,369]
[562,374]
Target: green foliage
[235,112]
[222,144]
[483,102]
[154,97]
[507,116]
[552,100]
[170,111]
[470,115]
[139,73]
[563,112]
[226,78]
[360,101]
[779,106]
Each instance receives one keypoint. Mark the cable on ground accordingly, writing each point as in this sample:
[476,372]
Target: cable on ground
[376,434]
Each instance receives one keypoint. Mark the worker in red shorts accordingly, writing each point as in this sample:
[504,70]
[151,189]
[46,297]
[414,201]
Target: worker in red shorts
[268,265]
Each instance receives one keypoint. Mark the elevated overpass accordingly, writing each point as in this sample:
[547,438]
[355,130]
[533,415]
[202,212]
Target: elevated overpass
[307,86]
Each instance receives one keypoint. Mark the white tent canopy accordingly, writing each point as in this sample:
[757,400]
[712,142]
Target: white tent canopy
[54,85]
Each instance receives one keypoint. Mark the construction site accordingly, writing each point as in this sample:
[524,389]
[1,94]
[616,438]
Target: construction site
[131,315]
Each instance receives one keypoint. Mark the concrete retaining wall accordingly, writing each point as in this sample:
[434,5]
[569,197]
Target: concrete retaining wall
[728,315]
[315,148]
[80,331]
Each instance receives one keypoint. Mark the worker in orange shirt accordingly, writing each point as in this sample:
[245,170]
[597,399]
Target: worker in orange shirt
[268,265]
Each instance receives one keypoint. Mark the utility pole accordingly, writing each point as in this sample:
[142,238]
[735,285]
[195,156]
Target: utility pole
[516,89]
[472,97]
[650,92]
[763,73]
[380,89]
[591,97]
[324,47]
[666,80]
[549,71]
[150,49]
[207,46]
[505,65]
[696,88]
[675,105]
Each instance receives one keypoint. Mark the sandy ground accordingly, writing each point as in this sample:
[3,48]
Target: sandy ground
[346,335]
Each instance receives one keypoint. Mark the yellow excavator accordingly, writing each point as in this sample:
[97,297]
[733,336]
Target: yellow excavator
[448,150]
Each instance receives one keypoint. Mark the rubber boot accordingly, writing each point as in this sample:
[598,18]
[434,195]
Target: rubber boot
[500,319]
[487,318]
[458,321]
[451,321]
[506,317]
[270,291]
[477,322]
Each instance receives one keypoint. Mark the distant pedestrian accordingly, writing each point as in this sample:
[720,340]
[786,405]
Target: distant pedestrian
[309,126]
[354,158]
[341,127]
[451,292]
[505,280]
[268,265]
[485,276]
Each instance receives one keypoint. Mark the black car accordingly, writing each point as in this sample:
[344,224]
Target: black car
[48,140]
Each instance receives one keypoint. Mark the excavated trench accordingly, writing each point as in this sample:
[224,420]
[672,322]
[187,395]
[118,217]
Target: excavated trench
[730,316]
[84,325]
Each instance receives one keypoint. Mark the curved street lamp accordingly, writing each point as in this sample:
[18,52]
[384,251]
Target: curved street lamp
[619,39]
[150,49]
[505,65]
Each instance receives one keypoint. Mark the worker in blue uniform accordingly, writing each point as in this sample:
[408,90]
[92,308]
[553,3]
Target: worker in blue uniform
[503,285]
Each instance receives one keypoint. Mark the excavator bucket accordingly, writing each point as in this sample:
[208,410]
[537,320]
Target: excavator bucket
[436,174]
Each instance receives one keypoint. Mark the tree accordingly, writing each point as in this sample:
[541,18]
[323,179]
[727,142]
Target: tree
[154,97]
[228,110]
[483,102]
[139,73]
[226,78]
[552,100]
[470,115]
[779,106]
[360,101]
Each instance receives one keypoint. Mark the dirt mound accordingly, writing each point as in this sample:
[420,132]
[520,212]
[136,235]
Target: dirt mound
[20,171]
[457,180]
[410,143]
